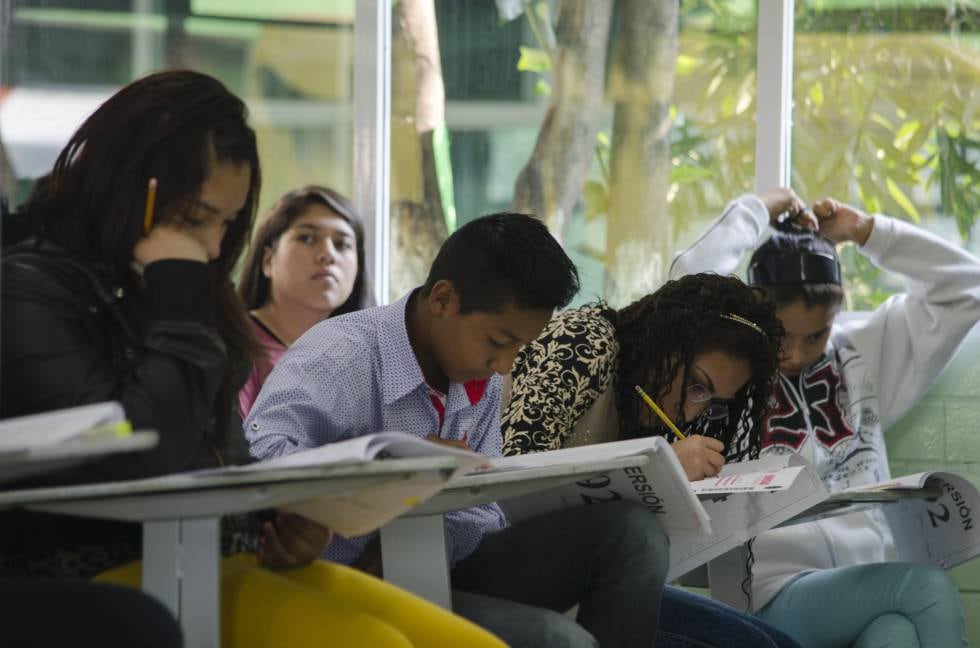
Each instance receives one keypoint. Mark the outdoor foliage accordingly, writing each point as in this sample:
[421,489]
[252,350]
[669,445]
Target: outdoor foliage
[886,117]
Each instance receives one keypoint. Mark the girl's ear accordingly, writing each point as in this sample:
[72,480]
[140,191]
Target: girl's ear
[267,253]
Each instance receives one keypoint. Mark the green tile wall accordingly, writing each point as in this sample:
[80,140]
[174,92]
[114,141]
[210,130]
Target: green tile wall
[943,432]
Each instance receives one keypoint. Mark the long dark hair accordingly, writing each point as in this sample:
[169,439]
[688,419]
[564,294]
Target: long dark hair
[661,334]
[255,288]
[172,126]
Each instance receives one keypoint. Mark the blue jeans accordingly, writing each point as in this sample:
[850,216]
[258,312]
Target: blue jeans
[884,604]
[691,621]
[609,559]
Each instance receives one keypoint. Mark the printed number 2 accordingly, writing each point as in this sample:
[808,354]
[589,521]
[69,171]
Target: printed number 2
[592,499]
[936,517]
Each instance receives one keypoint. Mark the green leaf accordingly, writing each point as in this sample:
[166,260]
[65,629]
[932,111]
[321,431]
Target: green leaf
[596,199]
[591,252]
[542,88]
[603,139]
[882,121]
[816,94]
[905,133]
[870,201]
[686,64]
[715,82]
[533,60]
[746,92]
[903,201]
[687,174]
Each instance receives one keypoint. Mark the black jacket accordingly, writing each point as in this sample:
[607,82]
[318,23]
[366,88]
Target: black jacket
[70,334]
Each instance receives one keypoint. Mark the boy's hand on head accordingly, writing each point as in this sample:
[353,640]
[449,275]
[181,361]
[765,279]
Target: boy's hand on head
[700,456]
[292,541]
[841,222]
[784,199]
[168,242]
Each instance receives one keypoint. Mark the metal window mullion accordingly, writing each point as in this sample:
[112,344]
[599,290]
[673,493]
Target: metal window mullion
[372,134]
[774,94]
[145,40]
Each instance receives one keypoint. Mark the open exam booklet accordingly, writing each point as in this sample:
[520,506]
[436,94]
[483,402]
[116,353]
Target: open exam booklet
[941,530]
[758,495]
[704,518]
[365,509]
[85,423]
[751,497]
[51,440]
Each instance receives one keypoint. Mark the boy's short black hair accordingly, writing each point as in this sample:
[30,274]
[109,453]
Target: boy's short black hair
[505,259]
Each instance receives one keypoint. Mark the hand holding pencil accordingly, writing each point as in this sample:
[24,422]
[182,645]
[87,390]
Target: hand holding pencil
[699,456]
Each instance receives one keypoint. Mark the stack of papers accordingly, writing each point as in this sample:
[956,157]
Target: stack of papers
[53,440]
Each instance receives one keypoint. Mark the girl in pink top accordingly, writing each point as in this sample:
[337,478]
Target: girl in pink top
[306,264]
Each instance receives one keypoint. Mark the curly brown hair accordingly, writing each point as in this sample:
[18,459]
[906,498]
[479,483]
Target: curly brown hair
[663,333]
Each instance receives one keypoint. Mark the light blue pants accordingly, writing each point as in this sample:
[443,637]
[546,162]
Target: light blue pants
[870,606]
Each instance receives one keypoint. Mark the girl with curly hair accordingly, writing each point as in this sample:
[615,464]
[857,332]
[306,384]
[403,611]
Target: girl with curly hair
[706,348]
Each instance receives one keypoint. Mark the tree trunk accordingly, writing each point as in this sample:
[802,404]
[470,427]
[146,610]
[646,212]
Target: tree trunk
[418,221]
[638,230]
[551,182]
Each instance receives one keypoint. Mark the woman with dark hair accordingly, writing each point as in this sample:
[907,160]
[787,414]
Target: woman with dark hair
[125,294]
[306,264]
[839,387]
[705,348]
[189,133]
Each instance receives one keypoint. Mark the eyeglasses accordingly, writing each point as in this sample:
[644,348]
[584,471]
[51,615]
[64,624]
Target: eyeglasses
[717,410]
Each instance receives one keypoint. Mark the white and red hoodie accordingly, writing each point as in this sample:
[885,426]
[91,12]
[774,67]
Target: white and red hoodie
[871,373]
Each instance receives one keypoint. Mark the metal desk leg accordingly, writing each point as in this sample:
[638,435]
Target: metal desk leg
[180,568]
[415,556]
[726,573]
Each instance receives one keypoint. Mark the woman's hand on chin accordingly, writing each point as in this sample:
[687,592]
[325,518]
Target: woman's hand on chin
[166,242]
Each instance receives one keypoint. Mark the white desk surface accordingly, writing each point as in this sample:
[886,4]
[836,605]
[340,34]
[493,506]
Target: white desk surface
[180,516]
[203,495]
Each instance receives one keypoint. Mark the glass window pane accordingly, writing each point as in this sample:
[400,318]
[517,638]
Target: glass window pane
[291,62]
[624,125]
[886,118]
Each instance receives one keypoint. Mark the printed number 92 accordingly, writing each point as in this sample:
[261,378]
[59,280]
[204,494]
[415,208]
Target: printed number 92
[598,483]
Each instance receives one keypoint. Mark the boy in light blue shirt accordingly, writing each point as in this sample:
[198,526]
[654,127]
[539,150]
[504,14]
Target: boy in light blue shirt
[430,365]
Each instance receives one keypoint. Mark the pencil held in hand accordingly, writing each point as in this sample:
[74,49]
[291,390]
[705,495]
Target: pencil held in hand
[151,199]
[659,412]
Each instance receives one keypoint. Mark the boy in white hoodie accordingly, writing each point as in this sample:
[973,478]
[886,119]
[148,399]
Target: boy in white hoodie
[830,582]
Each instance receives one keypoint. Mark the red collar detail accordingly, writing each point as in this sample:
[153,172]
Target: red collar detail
[475,389]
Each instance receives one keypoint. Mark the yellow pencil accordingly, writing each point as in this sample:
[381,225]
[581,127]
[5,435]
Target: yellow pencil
[151,199]
[659,412]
